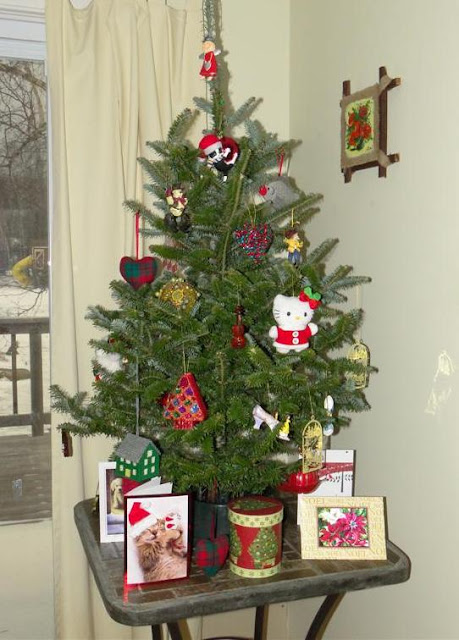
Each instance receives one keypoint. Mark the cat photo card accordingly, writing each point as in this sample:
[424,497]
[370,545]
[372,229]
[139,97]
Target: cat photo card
[157,537]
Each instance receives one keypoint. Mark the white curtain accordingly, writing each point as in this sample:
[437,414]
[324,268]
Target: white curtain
[119,72]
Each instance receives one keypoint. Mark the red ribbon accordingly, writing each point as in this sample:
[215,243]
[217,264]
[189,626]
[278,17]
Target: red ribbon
[335,467]
[280,160]
[137,232]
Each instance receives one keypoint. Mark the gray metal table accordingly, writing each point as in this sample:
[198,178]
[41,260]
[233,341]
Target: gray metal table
[201,596]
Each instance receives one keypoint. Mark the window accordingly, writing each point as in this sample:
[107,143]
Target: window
[24,300]
[25,477]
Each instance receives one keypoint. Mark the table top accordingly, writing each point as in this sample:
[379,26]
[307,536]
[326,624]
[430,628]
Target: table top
[201,595]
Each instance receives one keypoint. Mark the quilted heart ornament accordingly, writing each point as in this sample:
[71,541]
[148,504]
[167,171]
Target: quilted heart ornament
[211,555]
[138,272]
[254,240]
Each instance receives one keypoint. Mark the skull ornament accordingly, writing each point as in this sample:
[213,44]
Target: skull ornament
[212,149]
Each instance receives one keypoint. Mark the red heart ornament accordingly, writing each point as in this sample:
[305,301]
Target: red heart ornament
[138,272]
[211,555]
[255,240]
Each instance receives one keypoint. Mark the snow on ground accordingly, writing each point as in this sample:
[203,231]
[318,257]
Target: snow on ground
[17,302]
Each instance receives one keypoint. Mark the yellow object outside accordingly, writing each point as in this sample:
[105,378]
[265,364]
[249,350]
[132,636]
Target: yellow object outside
[21,271]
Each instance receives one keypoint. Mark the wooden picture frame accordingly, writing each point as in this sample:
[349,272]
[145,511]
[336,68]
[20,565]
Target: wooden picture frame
[111,504]
[364,127]
[343,528]
[157,538]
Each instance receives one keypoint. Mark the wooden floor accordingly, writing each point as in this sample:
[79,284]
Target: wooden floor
[25,478]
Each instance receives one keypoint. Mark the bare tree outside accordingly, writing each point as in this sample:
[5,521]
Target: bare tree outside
[23,174]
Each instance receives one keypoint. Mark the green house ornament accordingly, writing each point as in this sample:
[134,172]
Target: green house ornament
[137,458]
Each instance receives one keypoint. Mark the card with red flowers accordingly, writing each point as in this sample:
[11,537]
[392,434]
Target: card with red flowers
[343,528]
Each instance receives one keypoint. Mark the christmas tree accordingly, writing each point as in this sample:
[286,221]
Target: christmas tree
[191,357]
[264,548]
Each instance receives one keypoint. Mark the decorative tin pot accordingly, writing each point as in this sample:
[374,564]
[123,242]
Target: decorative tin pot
[255,536]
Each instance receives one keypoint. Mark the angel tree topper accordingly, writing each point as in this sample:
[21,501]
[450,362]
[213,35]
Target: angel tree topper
[294,315]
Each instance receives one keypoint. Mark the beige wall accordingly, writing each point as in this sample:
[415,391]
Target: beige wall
[256,35]
[403,231]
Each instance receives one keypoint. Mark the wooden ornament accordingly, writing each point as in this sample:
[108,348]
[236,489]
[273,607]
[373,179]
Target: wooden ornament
[238,329]
[364,127]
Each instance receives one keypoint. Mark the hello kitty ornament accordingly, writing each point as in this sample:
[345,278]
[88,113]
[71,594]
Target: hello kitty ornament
[294,315]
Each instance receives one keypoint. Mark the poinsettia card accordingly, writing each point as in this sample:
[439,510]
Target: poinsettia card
[343,528]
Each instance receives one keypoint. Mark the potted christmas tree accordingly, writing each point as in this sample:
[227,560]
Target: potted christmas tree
[215,356]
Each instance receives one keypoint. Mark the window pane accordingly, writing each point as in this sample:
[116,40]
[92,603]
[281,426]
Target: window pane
[25,452]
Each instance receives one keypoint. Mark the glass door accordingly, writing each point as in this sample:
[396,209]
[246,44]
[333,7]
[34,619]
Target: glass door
[26,579]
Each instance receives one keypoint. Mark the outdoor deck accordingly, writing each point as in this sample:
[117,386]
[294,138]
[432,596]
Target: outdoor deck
[25,478]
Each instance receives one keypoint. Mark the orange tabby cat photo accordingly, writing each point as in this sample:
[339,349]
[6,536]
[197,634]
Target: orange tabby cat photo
[157,539]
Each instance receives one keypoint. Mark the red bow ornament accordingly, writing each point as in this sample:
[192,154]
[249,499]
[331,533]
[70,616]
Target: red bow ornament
[313,299]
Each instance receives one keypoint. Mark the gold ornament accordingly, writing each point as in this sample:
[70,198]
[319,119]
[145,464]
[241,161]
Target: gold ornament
[179,293]
[285,429]
[359,354]
[312,447]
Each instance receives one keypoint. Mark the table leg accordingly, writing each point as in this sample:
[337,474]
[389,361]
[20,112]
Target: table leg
[323,616]
[261,622]
[156,632]
[317,628]
[174,631]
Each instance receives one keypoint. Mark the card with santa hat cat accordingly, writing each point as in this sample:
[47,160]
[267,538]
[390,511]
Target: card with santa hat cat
[157,538]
